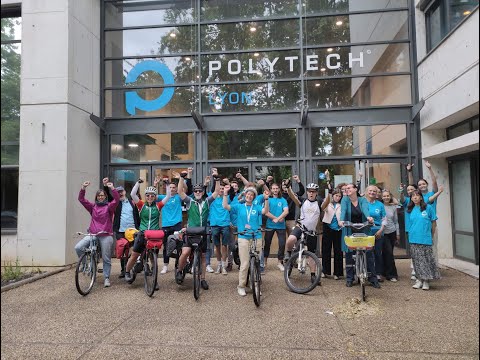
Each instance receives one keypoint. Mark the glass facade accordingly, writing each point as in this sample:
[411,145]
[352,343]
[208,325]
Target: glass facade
[249,56]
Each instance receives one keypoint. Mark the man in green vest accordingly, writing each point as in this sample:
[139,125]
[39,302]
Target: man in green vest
[198,208]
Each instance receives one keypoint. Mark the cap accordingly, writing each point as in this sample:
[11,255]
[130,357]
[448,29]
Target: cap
[119,188]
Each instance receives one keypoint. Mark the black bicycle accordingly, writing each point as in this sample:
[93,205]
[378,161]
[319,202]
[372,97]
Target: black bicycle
[254,275]
[86,271]
[147,260]
[302,264]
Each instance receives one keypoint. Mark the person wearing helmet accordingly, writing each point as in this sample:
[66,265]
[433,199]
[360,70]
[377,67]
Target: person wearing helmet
[249,217]
[149,211]
[198,209]
[310,208]
[102,213]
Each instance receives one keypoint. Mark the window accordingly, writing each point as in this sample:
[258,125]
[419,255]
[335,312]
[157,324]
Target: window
[463,128]
[442,16]
[10,108]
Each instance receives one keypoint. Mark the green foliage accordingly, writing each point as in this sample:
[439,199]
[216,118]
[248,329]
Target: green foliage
[12,272]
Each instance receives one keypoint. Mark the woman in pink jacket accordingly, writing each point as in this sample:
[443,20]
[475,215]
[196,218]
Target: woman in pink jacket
[102,213]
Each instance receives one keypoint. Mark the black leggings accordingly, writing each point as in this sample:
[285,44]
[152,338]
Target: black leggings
[282,237]
[332,237]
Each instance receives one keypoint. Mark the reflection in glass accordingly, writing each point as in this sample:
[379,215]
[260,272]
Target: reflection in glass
[359,92]
[437,29]
[252,144]
[329,6]
[279,173]
[251,97]
[230,172]
[462,197]
[356,28]
[152,147]
[128,177]
[9,197]
[145,42]
[248,9]
[183,68]
[129,13]
[182,102]
[459,10]
[364,59]
[250,35]
[11,28]
[251,66]
[360,140]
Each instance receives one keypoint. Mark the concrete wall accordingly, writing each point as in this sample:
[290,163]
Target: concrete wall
[448,82]
[59,90]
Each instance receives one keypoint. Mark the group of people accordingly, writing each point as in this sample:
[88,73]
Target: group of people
[238,206]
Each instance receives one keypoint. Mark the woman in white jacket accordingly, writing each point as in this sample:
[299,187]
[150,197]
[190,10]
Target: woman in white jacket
[332,235]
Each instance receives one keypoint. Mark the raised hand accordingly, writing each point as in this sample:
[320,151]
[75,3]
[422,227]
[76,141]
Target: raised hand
[260,182]
[190,170]
[441,188]
[157,180]
[85,184]
[140,180]
[427,164]
[226,189]
[207,180]
[110,185]
[409,167]
[226,181]
[214,171]
[175,175]
[105,181]
[269,178]
[297,178]
[266,194]
[238,175]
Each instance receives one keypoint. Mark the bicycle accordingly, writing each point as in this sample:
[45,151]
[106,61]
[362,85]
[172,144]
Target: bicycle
[360,243]
[298,268]
[196,236]
[147,260]
[254,275]
[86,270]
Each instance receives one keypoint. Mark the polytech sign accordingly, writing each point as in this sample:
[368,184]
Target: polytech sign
[234,67]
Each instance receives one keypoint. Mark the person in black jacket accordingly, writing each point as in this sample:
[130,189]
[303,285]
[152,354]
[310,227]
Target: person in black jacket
[290,219]
[126,216]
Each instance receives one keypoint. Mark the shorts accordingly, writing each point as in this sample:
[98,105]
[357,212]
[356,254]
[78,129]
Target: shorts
[224,231]
[188,241]
[310,240]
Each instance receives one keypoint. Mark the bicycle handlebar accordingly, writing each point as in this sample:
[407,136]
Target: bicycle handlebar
[304,229]
[248,231]
[89,234]
[357,226]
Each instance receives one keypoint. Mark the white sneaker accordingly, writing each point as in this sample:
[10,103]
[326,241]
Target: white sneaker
[224,271]
[209,269]
[335,277]
[280,267]
[219,269]
[413,277]
[323,275]
[241,291]
[164,269]
[106,282]
[393,280]
[418,284]
[426,285]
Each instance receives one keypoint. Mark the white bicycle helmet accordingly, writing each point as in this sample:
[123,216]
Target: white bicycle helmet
[312,186]
[151,190]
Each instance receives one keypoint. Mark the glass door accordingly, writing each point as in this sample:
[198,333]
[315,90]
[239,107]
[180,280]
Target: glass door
[127,176]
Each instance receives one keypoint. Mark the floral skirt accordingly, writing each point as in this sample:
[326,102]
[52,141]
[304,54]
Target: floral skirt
[424,262]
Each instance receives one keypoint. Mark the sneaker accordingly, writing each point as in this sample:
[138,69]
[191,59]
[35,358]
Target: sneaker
[335,277]
[224,271]
[323,275]
[426,285]
[106,282]
[204,284]
[393,280]
[209,269]
[262,270]
[349,283]
[413,277]
[122,275]
[179,277]
[418,284]
[219,269]
[164,269]
[229,267]
[379,278]
[376,285]
[280,267]
[241,291]
[128,277]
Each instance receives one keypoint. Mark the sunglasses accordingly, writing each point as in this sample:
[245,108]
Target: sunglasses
[198,191]
[149,194]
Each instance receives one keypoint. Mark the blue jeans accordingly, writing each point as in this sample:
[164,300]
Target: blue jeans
[106,244]
[350,266]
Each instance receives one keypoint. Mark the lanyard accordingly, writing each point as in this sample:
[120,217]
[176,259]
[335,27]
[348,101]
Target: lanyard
[249,213]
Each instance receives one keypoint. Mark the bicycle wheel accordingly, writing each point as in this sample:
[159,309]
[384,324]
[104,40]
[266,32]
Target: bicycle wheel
[150,272]
[298,276]
[255,280]
[196,275]
[86,273]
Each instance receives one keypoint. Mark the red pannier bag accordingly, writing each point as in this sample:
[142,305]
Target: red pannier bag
[122,246]
[154,238]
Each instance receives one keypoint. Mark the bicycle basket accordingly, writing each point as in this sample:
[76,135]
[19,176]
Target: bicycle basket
[356,241]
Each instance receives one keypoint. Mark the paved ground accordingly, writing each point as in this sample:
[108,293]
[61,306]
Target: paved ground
[48,319]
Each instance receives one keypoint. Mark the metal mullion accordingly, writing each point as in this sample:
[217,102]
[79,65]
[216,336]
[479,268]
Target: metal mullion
[199,62]
[7,42]
[190,53]
[147,117]
[146,27]
[243,51]
[290,111]
[302,56]
[345,13]
[182,85]
[356,76]
[392,158]
[380,42]
[254,162]
[232,82]
[364,108]
[102,61]
[413,55]
[247,20]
